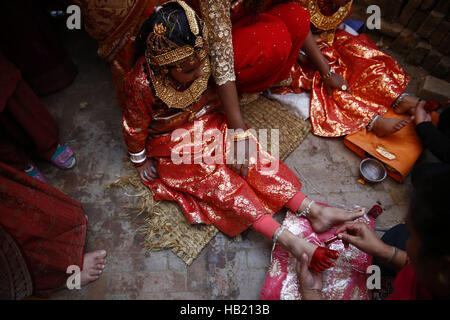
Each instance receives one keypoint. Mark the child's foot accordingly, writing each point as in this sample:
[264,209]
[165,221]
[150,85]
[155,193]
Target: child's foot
[34,172]
[319,258]
[63,157]
[324,218]
[407,104]
[93,265]
[386,126]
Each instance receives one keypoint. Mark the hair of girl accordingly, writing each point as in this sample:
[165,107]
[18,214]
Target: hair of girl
[173,17]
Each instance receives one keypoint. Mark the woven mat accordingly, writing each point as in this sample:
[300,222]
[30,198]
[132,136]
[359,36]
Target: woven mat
[165,226]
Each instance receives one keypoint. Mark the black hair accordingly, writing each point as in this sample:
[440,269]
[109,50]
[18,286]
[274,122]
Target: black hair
[430,214]
[173,17]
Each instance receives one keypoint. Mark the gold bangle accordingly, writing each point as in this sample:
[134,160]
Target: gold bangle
[241,136]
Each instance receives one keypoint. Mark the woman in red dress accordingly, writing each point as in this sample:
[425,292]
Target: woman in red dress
[49,228]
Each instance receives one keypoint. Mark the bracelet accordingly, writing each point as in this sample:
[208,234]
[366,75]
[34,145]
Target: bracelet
[305,212]
[277,234]
[241,135]
[399,99]
[139,157]
[275,237]
[328,75]
[370,125]
[394,253]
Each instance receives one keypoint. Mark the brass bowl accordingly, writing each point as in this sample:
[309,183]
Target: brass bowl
[372,170]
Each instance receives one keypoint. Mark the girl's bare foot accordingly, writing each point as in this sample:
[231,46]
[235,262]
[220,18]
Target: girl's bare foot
[93,265]
[407,105]
[324,218]
[296,245]
[386,126]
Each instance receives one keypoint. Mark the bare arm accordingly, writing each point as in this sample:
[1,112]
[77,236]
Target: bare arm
[229,97]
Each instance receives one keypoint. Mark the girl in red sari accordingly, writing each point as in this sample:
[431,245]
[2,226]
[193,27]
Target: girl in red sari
[170,102]
[373,81]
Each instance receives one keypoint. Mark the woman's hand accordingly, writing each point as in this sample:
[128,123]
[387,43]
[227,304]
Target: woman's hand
[148,170]
[360,235]
[421,115]
[243,151]
[310,281]
[335,81]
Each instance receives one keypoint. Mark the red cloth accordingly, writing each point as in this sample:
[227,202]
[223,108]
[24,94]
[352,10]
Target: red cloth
[266,225]
[26,127]
[265,51]
[407,286]
[49,226]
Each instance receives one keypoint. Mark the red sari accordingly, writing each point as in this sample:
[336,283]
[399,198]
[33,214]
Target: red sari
[264,51]
[407,286]
[375,79]
[49,227]
[207,193]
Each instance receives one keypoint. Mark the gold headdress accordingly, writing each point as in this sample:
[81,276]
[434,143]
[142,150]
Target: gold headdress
[162,52]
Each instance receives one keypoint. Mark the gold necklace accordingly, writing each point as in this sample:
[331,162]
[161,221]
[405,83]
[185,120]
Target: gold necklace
[323,22]
[180,99]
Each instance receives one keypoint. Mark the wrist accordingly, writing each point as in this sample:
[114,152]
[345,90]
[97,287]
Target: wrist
[384,251]
[328,73]
[138,158]
[311,294]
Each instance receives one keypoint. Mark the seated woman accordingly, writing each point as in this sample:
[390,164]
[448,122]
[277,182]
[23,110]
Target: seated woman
[373,81]
[424,268]
[170,102]
[42,232]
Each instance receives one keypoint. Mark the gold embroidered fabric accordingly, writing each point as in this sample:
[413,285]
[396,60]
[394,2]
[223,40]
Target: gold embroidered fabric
[323,22]
[216,14]
[180,99]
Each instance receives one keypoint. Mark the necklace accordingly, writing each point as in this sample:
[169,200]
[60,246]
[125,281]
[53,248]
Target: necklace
[180,99]
[323,22]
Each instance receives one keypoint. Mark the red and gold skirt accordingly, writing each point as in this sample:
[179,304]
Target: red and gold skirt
[375,80]
[211,192]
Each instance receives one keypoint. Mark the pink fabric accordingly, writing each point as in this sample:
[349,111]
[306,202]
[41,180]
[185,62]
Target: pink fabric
[295,202]
[345,281]
[266,225]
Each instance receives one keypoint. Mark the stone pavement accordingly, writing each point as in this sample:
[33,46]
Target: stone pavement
[90,122]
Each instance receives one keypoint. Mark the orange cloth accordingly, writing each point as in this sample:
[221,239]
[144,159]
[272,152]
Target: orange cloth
[404,145]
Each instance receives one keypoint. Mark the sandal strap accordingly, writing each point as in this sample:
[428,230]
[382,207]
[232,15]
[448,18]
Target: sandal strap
[62,154]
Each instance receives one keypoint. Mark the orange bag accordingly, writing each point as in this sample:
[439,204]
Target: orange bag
[398,151]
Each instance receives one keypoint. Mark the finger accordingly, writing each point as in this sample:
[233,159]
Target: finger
[148,176]
[347,237]
[345,227]
[329,91]
[333,254]
[245,170]
[143,176]
[302,265]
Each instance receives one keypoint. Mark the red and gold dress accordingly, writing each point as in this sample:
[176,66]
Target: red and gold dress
[207,193]
[375,79]
[255,52]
